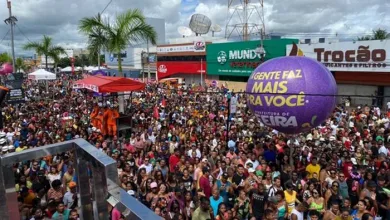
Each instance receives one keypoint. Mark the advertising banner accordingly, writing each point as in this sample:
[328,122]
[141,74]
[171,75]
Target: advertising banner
[197,46]
[241,58]
[359,56]
[169,68]
[126,56]
[16,92]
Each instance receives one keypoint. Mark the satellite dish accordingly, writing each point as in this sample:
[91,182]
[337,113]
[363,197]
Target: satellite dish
[200,24]
[184,31]
[215,28]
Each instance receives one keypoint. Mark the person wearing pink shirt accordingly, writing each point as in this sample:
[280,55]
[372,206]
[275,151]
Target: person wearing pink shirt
[231,154]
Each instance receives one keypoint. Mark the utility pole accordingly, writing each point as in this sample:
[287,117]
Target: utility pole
[143,65]
[11,21]
[201,72]
[147,52]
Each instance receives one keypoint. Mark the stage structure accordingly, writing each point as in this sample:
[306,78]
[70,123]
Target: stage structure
[97,178]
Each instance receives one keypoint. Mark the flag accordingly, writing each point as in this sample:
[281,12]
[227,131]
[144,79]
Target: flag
[156,114]
[163,102]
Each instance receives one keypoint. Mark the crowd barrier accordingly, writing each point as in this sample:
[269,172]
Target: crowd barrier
[97,179]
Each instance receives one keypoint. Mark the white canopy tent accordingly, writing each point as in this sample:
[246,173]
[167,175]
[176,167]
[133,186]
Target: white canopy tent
[88,68]
[42,74]
[92,68]
[67,69]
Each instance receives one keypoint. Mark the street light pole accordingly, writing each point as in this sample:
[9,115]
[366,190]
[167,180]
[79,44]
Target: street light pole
[228,96]
[201,72]
[260,50]
[11,21]
[147,52]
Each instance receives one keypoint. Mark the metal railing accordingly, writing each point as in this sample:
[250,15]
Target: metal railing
[97,179]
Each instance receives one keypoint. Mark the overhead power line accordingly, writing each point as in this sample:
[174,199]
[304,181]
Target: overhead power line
[108,4]
[22,33]
[5,36]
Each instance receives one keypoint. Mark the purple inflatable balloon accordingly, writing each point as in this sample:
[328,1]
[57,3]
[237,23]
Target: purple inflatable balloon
[5,69]
[291,94]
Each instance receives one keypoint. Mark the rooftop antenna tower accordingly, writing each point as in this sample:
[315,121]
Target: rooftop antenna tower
[245,19]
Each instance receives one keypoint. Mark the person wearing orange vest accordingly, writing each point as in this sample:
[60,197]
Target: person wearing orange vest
[99,120]
[106,115]
[111,120]
[93,115]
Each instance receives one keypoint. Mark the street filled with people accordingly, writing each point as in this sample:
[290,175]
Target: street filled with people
[186,158]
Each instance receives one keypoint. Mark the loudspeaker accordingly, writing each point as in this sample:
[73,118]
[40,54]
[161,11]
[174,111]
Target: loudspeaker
[3,94]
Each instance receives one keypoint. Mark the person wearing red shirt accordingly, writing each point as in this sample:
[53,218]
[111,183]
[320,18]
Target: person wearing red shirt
[204,182]
[347,166]
[128,146]
[174,160]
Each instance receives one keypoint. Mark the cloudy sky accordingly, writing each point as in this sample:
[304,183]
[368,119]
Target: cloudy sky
[59,18]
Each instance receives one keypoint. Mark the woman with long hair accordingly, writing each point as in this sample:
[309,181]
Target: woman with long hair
[158,177]
[222,213]
[242,205]
[361,210]
[281,205]
[316,202]
[53,174]
[189,205]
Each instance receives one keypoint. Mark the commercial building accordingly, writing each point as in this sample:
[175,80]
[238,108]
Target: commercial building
[50,62]
[132,60]
[235,61]
[361,68]
[184,60]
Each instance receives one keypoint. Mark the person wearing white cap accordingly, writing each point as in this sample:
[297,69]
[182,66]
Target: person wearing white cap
[11,148]
[4,149]
[3,141]
[131,192]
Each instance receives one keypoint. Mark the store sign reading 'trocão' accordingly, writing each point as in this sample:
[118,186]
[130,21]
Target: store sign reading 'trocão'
[367,56]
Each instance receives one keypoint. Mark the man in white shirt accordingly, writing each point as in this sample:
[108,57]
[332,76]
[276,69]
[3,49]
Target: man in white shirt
[297,213]
[148,166]
[383,150]
[194,148]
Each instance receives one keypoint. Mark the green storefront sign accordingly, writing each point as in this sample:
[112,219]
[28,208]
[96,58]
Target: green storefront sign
[240,58]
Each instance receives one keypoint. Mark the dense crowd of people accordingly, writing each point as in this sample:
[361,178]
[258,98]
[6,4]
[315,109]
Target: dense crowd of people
[183,160]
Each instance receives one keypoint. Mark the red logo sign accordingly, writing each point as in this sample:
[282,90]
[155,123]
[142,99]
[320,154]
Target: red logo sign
[199,45]
[170,68]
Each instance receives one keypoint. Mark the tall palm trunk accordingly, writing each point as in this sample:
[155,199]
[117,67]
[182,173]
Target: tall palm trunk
[46,63]
[120,74]
[98,54]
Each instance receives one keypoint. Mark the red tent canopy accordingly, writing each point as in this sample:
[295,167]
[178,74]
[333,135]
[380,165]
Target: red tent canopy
[103,84]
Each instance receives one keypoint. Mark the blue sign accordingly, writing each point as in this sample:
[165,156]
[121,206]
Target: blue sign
[126,57]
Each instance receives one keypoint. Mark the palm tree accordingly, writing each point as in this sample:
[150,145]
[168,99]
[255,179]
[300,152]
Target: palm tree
[5,58]
[19,64]
[364,38]
[129,28]
[45,48]
[378,34]
[96,39]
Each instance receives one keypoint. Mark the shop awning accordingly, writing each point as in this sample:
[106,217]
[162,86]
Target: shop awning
[104,84]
